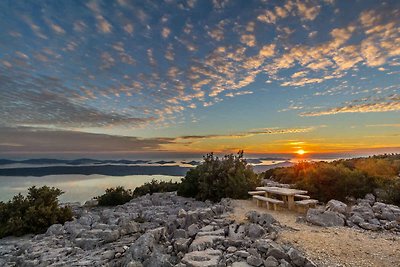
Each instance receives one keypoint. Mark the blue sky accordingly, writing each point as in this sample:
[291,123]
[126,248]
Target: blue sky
[198,76]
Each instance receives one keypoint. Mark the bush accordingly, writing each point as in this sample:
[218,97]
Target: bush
[119,195]
[217,178]
[339,179]
[33,213]
[115,196]
[155,187]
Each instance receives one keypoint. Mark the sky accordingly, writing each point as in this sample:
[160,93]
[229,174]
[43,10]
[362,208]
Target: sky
[194,76]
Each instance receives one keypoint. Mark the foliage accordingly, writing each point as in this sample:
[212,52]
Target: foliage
[217,178]
[155,187]
[115,196]
[33,213]
[342,178]
[119,195]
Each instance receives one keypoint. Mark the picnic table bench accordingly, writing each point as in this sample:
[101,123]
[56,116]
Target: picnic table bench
[268,201]
[266,194]
[256,193]
[305,204]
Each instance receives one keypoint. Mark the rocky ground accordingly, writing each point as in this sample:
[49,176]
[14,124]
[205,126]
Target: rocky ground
[157,230]
[333,246]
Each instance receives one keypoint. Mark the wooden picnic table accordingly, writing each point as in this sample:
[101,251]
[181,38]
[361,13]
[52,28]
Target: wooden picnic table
[287,193]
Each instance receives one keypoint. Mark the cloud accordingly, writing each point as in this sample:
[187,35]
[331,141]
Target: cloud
[165,32]
[103,25]
[308,10]
[46,101]
[17,140]
[384,125]
[361,108]
[233,94]
[262,131]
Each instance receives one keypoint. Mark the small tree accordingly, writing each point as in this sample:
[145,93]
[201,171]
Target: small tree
[115,196]
[217,178]
[33,213]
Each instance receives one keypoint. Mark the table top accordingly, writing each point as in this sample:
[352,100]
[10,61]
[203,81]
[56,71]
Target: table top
[281,191]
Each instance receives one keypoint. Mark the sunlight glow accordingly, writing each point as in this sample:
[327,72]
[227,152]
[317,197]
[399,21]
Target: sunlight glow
[300,152]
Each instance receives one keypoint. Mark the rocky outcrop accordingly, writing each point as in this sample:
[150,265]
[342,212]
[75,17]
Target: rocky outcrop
[157,230]
[367,214]
[370,214]
[325,218]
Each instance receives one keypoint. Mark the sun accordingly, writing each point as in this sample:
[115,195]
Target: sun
[300,152]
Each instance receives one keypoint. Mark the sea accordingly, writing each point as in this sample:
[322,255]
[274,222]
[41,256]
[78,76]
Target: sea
[80,188]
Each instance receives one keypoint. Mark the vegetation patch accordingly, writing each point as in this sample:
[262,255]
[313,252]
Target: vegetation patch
[119,195]
[33,213]
[217,178]
[342,178]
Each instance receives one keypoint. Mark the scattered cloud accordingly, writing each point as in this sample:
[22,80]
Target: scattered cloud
[361,108]
[18,140]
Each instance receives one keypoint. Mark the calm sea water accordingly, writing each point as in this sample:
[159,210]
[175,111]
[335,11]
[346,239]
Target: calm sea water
[76,187]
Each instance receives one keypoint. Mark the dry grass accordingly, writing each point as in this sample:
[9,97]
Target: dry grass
[340,246]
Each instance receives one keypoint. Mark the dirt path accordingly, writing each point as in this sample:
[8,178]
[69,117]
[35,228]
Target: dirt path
[341,246]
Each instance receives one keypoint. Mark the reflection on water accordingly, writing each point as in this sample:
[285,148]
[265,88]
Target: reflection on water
[76,187]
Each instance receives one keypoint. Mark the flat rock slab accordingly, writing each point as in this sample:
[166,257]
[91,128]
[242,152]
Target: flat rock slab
[206,258]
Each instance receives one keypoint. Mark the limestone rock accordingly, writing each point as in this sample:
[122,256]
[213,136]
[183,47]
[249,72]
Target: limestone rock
[206,258]
[336,206]
[255,231]
[324,218]
[254,260]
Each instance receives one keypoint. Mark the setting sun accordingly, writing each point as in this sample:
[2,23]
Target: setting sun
[300,152]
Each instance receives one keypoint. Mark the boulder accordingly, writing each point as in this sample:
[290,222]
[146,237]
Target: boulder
[369,226]
[242,254]
[370,198]
[158,260]
[356,219]
[206,258]
[271,262]
[255,231]
[182,244]
[254,260]
[91,203]
[264,219]
[55,229]
[364,211]
[142,248]
[110,235]
[240,264]
[325,218]
[204,242]
[180,233]
[192,230]
[236,231]
[277,253]
[87,243]
[296,257]
[336,206]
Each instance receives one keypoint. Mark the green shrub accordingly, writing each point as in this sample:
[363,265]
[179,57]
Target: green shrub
[217,178]
[391,191]
[119,195]
[155,187]
[33,213]
[115,196]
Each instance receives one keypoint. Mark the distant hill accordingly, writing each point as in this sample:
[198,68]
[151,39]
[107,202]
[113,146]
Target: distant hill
[112,170]
[82,161]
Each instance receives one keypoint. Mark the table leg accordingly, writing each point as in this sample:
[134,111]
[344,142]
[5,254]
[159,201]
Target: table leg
[290,202]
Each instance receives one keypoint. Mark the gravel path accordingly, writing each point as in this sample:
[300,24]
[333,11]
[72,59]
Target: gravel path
[328,247]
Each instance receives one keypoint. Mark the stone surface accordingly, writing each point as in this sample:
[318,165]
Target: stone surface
[325,218]
[336,206]
[254,260]
[154,230]
[206,258]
